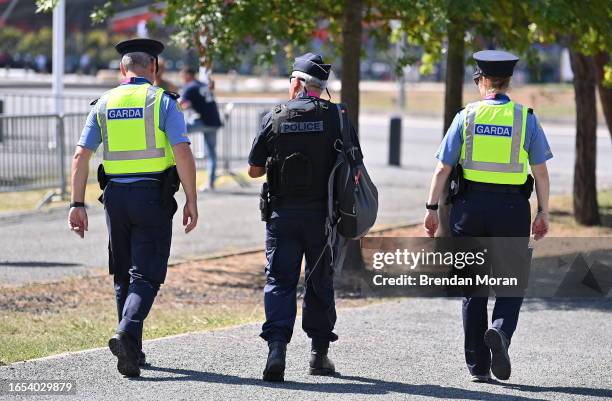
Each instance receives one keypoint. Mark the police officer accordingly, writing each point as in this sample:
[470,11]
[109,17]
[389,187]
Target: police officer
[143,134]
[493,140]
[295,149]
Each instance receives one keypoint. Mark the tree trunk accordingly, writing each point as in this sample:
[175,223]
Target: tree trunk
[351,56]
[453,101]
[586,210]
[605,93]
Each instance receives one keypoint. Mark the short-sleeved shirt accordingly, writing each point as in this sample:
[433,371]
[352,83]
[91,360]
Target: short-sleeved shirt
[259,151]
[201,98]
[536,144]
[171,122]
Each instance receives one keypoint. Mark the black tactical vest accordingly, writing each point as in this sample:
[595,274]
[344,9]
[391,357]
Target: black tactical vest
[302,144]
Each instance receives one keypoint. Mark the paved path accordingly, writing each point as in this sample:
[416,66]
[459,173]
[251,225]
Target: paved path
[398,350]
[38,246]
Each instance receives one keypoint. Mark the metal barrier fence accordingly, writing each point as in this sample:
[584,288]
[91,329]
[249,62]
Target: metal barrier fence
[27,103]
[36,150]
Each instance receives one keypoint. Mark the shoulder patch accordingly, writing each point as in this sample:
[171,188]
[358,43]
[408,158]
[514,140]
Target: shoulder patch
[93,102]
[172,95]
[530,110]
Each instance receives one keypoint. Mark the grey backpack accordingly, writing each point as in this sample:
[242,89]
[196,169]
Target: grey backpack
[352,197]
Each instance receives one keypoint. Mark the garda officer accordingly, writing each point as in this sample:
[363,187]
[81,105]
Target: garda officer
[295,149]
[146,152]
[493,141]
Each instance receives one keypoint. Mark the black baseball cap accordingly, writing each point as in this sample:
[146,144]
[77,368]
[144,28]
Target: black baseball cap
[312,64]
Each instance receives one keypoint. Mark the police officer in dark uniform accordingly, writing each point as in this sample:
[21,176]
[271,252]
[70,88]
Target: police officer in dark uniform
[146,153]
[296,150]
[492,144]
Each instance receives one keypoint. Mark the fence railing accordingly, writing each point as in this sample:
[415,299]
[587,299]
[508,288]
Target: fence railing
[36,149]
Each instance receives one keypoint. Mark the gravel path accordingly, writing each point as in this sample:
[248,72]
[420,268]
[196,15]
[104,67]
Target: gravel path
[397,350]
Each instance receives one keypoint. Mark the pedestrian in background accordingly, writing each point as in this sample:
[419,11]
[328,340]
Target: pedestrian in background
[160,80]
[199,96]
[146,153]
[492,143]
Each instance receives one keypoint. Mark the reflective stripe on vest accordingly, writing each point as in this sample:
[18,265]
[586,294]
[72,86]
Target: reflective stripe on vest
[505,170]
[140,103]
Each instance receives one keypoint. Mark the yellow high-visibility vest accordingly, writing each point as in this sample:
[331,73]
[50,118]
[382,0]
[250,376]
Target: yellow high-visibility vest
[493,143]
[128,116]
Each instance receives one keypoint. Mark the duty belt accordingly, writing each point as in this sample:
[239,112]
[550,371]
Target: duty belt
[486,187]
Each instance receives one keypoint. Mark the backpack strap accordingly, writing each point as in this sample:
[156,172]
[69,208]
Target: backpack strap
[348,146]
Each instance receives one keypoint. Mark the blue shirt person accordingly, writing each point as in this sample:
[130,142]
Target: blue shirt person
[171,122]
[536,144]
[198,96]
[489,205]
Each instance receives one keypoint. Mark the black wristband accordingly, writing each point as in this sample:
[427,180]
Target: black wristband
[77,204]
[431,207]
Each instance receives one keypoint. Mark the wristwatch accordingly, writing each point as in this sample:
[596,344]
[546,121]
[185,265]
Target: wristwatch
[77,204]
[431,207]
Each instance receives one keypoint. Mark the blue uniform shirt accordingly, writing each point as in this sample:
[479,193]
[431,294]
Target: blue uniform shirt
[535,144]
[171,122]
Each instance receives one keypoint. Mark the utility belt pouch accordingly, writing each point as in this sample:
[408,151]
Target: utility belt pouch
[456,184]
[102,177]
[264,202]
[527,187]
[102,181]
[170,185]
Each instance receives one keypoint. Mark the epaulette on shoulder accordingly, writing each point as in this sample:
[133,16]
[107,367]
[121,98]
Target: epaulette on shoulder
[530,110]
[93,102]
[173,95]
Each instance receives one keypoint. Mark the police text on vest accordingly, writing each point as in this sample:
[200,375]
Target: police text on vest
[303,126]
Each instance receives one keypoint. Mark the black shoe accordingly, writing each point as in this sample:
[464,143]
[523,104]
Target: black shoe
[500,361]
[126,351]
[275,366]
[320,364]
[142,359]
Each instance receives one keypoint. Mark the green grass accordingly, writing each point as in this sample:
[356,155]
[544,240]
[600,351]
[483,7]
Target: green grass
[26,335]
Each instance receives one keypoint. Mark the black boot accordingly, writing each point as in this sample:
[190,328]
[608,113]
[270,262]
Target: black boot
[142,359]
[275,366]
[126,350]
[320,364]
[498,343]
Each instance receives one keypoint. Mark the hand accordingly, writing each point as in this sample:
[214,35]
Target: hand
[539,228]
[431,222]
[190,216]
[77,220]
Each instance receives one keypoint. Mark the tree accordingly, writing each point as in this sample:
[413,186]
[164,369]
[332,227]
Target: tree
[585,27]
[603,73]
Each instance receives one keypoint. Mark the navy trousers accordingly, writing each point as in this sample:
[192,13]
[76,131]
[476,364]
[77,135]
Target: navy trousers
[489,214]
[291,235]
[140,233]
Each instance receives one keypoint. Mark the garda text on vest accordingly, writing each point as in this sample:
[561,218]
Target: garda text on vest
[125,113]
[494,130]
